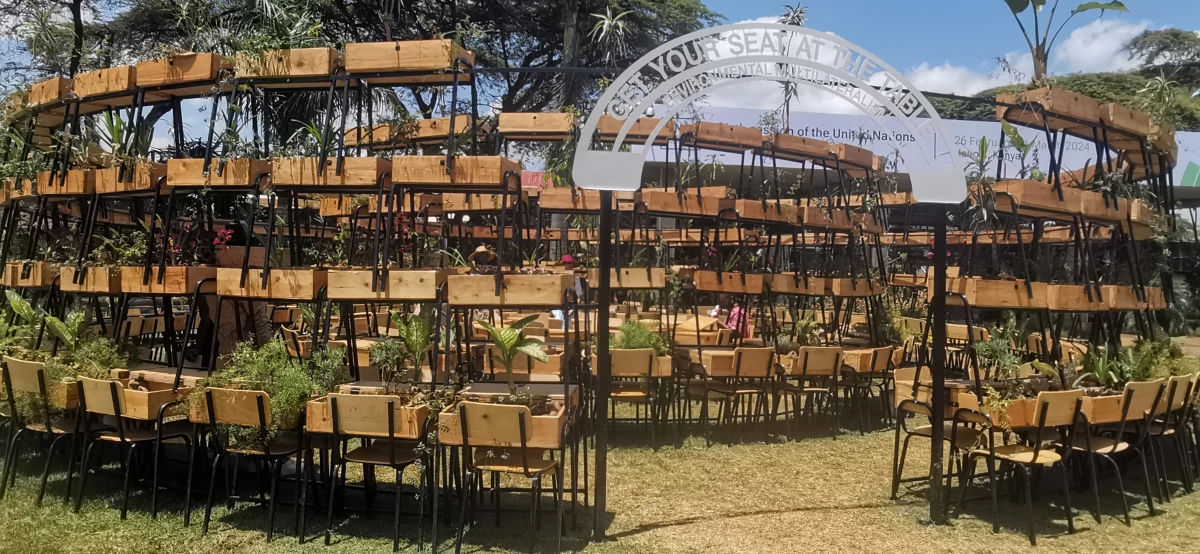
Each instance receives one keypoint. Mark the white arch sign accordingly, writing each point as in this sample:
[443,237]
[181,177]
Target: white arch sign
[693,66]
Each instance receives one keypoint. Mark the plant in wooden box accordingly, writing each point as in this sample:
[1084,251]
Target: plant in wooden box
[122,166]
[400,361]
[18,175]
[804,332]
[288,382]
[635,336]
[509,343]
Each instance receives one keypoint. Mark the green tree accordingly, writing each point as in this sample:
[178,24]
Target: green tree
[1041,40]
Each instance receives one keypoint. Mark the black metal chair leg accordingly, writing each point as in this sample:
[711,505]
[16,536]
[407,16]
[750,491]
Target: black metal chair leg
[1066,479]
[274,469]
[128,473]
[462,513]
[192,451]
[212,482]
[83,474]
[333,480]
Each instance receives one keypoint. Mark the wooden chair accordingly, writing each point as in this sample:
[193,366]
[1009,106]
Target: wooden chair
[1055,412]
[858,383]
[106,399]
[373,418]
[1138,405]
[29,378]
[961,432]
[1170,428]
[248,409]
[751,372]
[496,439]
[815,370]
[635,370]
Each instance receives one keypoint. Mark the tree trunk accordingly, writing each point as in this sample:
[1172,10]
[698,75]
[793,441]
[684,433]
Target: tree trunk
[77,46]
[1039,64]
[570,48]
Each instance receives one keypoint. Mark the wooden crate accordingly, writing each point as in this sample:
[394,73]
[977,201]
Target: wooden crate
[461,202]
[177,280]
[39,275]
[401,285]
[139,178]
[282,284]
[1098,208]
[295,62]
[668,202]
[722,136]
[537,126]
[997,293]
[409,422]
[517,290]
[180,69]
[468,170]
[562,199]
[422,131]
[1036,199]
[859,288]
[1121,297]
[1102,409]
[1162,135]
[239,172]
[787,283]
[820,218]
[434,57]
[735,283]
[50,91]
[100,280]
[110,80]
[77,182]
[1055,101]
[145,405]
[632,278]
[1141,213]
[546,431]
[859,157]
[1073,298]
[356,172]
[1155,300]
[1134,122]
[792,145]
[774,212]
[608,127]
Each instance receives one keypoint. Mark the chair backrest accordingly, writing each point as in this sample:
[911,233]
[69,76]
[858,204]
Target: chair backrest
[1178,389]
[1059,408]
[724,337]
[754,362]
[637,362]
[959,332]
[494,424]
[26,376]
[819,360]
[881,359]
[238,407]
[102,396]
[1141,397]
[364,415]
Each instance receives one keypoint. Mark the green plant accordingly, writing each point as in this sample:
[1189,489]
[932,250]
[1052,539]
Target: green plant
[1023,149]
[633,336]
[1042,40]
[509,342]
[1101,369]
[123,248]
[269,368]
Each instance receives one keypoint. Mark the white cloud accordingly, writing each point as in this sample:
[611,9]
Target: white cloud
[1097,46]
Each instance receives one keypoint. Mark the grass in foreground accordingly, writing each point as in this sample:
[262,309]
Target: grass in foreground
[815,494]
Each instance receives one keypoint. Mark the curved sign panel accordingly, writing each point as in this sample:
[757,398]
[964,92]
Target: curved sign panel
[691,67]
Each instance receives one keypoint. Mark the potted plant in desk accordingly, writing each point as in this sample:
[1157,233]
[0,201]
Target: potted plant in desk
[634,336]
[400,361]
[510,343]
[289,383]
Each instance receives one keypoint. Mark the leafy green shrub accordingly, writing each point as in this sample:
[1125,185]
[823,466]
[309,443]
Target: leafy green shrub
[633,337]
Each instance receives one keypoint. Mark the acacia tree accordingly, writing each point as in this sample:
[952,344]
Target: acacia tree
[1042,39]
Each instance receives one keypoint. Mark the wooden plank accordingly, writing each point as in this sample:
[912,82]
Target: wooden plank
[860,157]
[630,278]
[517,290]
[282,284]
[432,56]
[1073,298]
[535,126]
[408,422]
[179,69]
[1134,122]
[564,199]
[356,172]
[50,91]
[860,287]
[238,172]
[177,280]
[406,285]
[77,182]
[788,283]
[295,62]
[419,131]
[709,134]
[468,170]
[543,432]
[712,281]
[668,202]
[801,146]
[110,80]
[100,280]
[608,127]
[30,275]
[143,177]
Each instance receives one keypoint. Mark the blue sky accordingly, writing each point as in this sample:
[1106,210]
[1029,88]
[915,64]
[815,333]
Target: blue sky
[971,34]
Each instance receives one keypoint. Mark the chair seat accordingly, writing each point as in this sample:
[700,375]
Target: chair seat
[379,453]
[1100,445]
[966,437]
[1160,429]
[59,427]
[632,395]
[508,460]
[170,431]
[1021,454]
[800,389]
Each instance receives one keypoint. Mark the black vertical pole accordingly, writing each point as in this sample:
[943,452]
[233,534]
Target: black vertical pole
[604,295]
[938,368]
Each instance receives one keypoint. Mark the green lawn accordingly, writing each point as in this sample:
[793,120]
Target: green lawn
[815,494]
